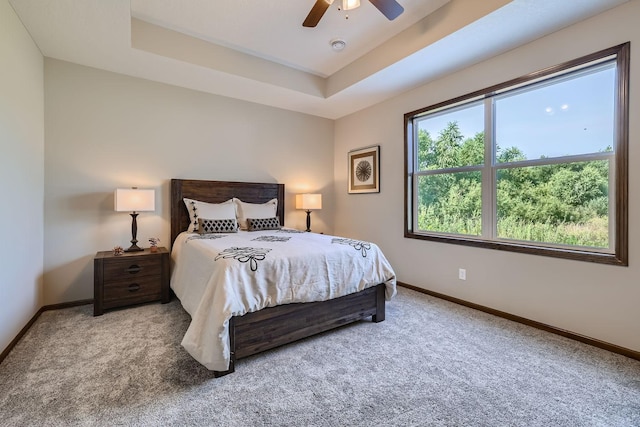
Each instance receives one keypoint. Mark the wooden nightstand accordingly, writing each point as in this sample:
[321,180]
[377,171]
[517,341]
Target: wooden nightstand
[131,278]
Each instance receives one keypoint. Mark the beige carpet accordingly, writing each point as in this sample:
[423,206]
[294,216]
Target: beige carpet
[431,363]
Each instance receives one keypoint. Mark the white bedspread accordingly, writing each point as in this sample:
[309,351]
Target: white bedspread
[218,276]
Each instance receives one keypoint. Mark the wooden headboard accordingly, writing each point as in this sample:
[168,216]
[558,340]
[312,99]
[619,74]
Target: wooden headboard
[218,192]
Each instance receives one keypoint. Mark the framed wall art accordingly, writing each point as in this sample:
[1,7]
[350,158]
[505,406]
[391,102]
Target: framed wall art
[364,170]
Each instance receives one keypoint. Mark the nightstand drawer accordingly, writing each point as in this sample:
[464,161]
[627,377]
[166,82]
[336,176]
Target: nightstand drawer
[130,268]
[138,289]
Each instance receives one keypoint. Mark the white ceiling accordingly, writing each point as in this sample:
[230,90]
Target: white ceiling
[243,24]
[257,50]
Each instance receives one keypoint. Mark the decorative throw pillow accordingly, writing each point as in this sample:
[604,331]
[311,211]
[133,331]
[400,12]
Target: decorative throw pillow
[198,209]
[208,226]
[246,210]
[256,224]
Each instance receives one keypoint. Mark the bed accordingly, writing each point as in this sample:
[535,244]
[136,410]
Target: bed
[274,325]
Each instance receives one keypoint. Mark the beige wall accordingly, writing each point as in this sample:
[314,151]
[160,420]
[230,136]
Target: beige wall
[105,130]
[21,175]
[594,300]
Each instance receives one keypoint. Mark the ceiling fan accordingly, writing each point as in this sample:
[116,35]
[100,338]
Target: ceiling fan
[389,8]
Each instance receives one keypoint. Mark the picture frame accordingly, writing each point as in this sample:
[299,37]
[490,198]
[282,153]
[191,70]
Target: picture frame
[364,170]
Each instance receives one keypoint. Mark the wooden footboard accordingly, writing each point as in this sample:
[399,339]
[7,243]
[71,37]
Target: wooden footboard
[275,326]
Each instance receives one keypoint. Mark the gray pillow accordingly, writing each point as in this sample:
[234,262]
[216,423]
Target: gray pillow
[209,226]
[256,224]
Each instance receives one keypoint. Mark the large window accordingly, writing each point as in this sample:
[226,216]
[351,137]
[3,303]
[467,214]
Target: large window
[535,165]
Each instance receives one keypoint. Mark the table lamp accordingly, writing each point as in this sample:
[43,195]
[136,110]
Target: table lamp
[309,202]
[134,200]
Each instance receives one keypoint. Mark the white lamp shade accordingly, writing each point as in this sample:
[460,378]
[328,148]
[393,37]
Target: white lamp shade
[135,200]
[309,202]
[350,4]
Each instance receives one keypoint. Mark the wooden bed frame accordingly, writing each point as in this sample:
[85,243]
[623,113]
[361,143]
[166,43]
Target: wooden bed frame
[274,326]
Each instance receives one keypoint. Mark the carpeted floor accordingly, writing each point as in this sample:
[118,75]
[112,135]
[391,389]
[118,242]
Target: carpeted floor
[431,363]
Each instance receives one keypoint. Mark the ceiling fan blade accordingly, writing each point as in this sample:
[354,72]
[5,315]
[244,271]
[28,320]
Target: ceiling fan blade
[389,8]
[316,13]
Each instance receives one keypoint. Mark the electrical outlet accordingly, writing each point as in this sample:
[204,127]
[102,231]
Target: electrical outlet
[462,274]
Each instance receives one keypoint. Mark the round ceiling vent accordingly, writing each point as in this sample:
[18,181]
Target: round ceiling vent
[338,44]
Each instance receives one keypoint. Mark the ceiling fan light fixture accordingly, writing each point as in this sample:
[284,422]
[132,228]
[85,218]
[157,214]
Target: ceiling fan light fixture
[391,9]
[338,44]
[350,4]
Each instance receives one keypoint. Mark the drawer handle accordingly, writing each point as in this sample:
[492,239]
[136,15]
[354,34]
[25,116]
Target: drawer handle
[134,287]
[134,269]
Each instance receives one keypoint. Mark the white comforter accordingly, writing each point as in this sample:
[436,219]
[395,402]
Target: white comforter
[223,275]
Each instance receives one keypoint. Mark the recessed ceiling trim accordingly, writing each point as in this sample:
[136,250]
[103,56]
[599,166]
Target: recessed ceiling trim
[173,44]
[98,33]
[449,18]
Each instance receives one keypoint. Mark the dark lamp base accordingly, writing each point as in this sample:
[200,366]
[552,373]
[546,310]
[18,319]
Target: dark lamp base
[308,221]
[134,230]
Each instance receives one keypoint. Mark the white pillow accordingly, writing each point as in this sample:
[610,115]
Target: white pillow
[198,209]
[246,210]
